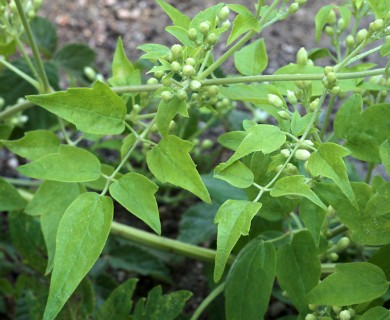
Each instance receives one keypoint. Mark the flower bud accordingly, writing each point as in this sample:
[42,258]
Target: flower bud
[226,24]
[204,27]
[345,315]
[89,73]
[152,81]
[13,7]
[172,125]
[343,243]
[328,69]
[191,61]
[212,39]
[212,90]
[329,31]
[291,169]
[331,17]
[207,144]
[224,13]
[195,85]
[188,70]
[175,66]
[177,50]
[350,41]
[192,34]
[294,7]
[291,97]
[182,95]
[332,78]
[166,81]
[314,104]
[310,316]
[302,154]
[284,115]
[302,57]
[333,256]
[159,74]
[337,309]
[285,153]
[341,24]
[361,35]
[275,100]
[166,96]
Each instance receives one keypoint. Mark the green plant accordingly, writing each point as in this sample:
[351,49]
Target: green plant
[293,208]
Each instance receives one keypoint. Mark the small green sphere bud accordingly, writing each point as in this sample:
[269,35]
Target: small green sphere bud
[192,34]
[175,66]
[177,50]
[337,309]
[312,307]
[204,27]
[166,81]
[207,144]
[328,69]
[331,17]
[341,24]
[332,78]
[333,256]
[182,95]
[13,7]
[291,97]
[226,25]
[285,153]
[314,104]
[302,57]
[275,100]
[159,74]
[224,13]
[291,169]
[195,85]
[31,14]
[212,39]
[352,312]
[213,90]
[154,128]
[345,315]
[152,81]
[166,96]
[2,102]
[188,70]
[350,41]
[172,125]
[329,31]
[331,212]
[307,144]
[294,7]
[89,73]
[343,243]
[310,316]
[377,25]
[302,154]
[284,115]
[191,61]
[136,107]
[361,35]
[302,84]
[335,90]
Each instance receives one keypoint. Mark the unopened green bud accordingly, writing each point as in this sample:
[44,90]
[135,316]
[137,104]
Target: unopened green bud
[275,100]
[192,34]
[31,14]
[175,66]
[377,25]
[331,17]
[159,74]
[285,153]
[177,50]
[213,90]
[328,69]
[352,312]
[294,7]
[329,31]
[303,84]
[332,78]
[361,35]
[333,256]
[224,13]
[212,39]
[166,81]
[182,95]
[166,96]
[195,85]
[13,7]
[302,57]
[350,41]
[337,309]
[331,212]
[291,97]
[335,90]
[343,243]
[302,154]
[341,24]
[89,73]
[172,125]
[314,104]
[226,24]
[310,316]
[291,169]
[284,115]
[204,27]
[188,70]
[152,81]
[207,144]
[191,61]
[136,107]
[312,307]
[345,315]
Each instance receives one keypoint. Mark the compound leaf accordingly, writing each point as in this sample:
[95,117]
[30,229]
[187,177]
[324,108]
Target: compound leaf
[70,164]
[81,236]
[234,219]
[96,110]
[136,193]
[169,161]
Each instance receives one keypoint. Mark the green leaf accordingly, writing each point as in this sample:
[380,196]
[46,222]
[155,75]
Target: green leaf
[327,161]
[377,313]
[380,7]
[379,204]
[384,151]
[295,185]
[352,283]
[10,199]
[167,111]
[70,164]
[50,202]
[119,302]
[234,219]
[161,307]
[136,193]
[244,21]
[180,34]
[97,110]
[45,34]
[34,144]
[299,124]
[237,174]
[196,224]
[321,19]
[252,59]
[74,57]
[381,259]
[153,51]
[208,15]
[347,122]
[299,269]
[81,236]
[313,217]
[261,137]
[232,139]
[250,281]
[170,161]
[123,71]
[178,18]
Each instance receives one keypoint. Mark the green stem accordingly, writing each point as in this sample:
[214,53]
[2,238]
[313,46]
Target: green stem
[363,55]
[162,243]
[34,48]
[327,116]
[371,168]
[9,112]
[206,302]
[20,182]
[20,73]
[27,58]
[347,59]
[327,268]
[336,231]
